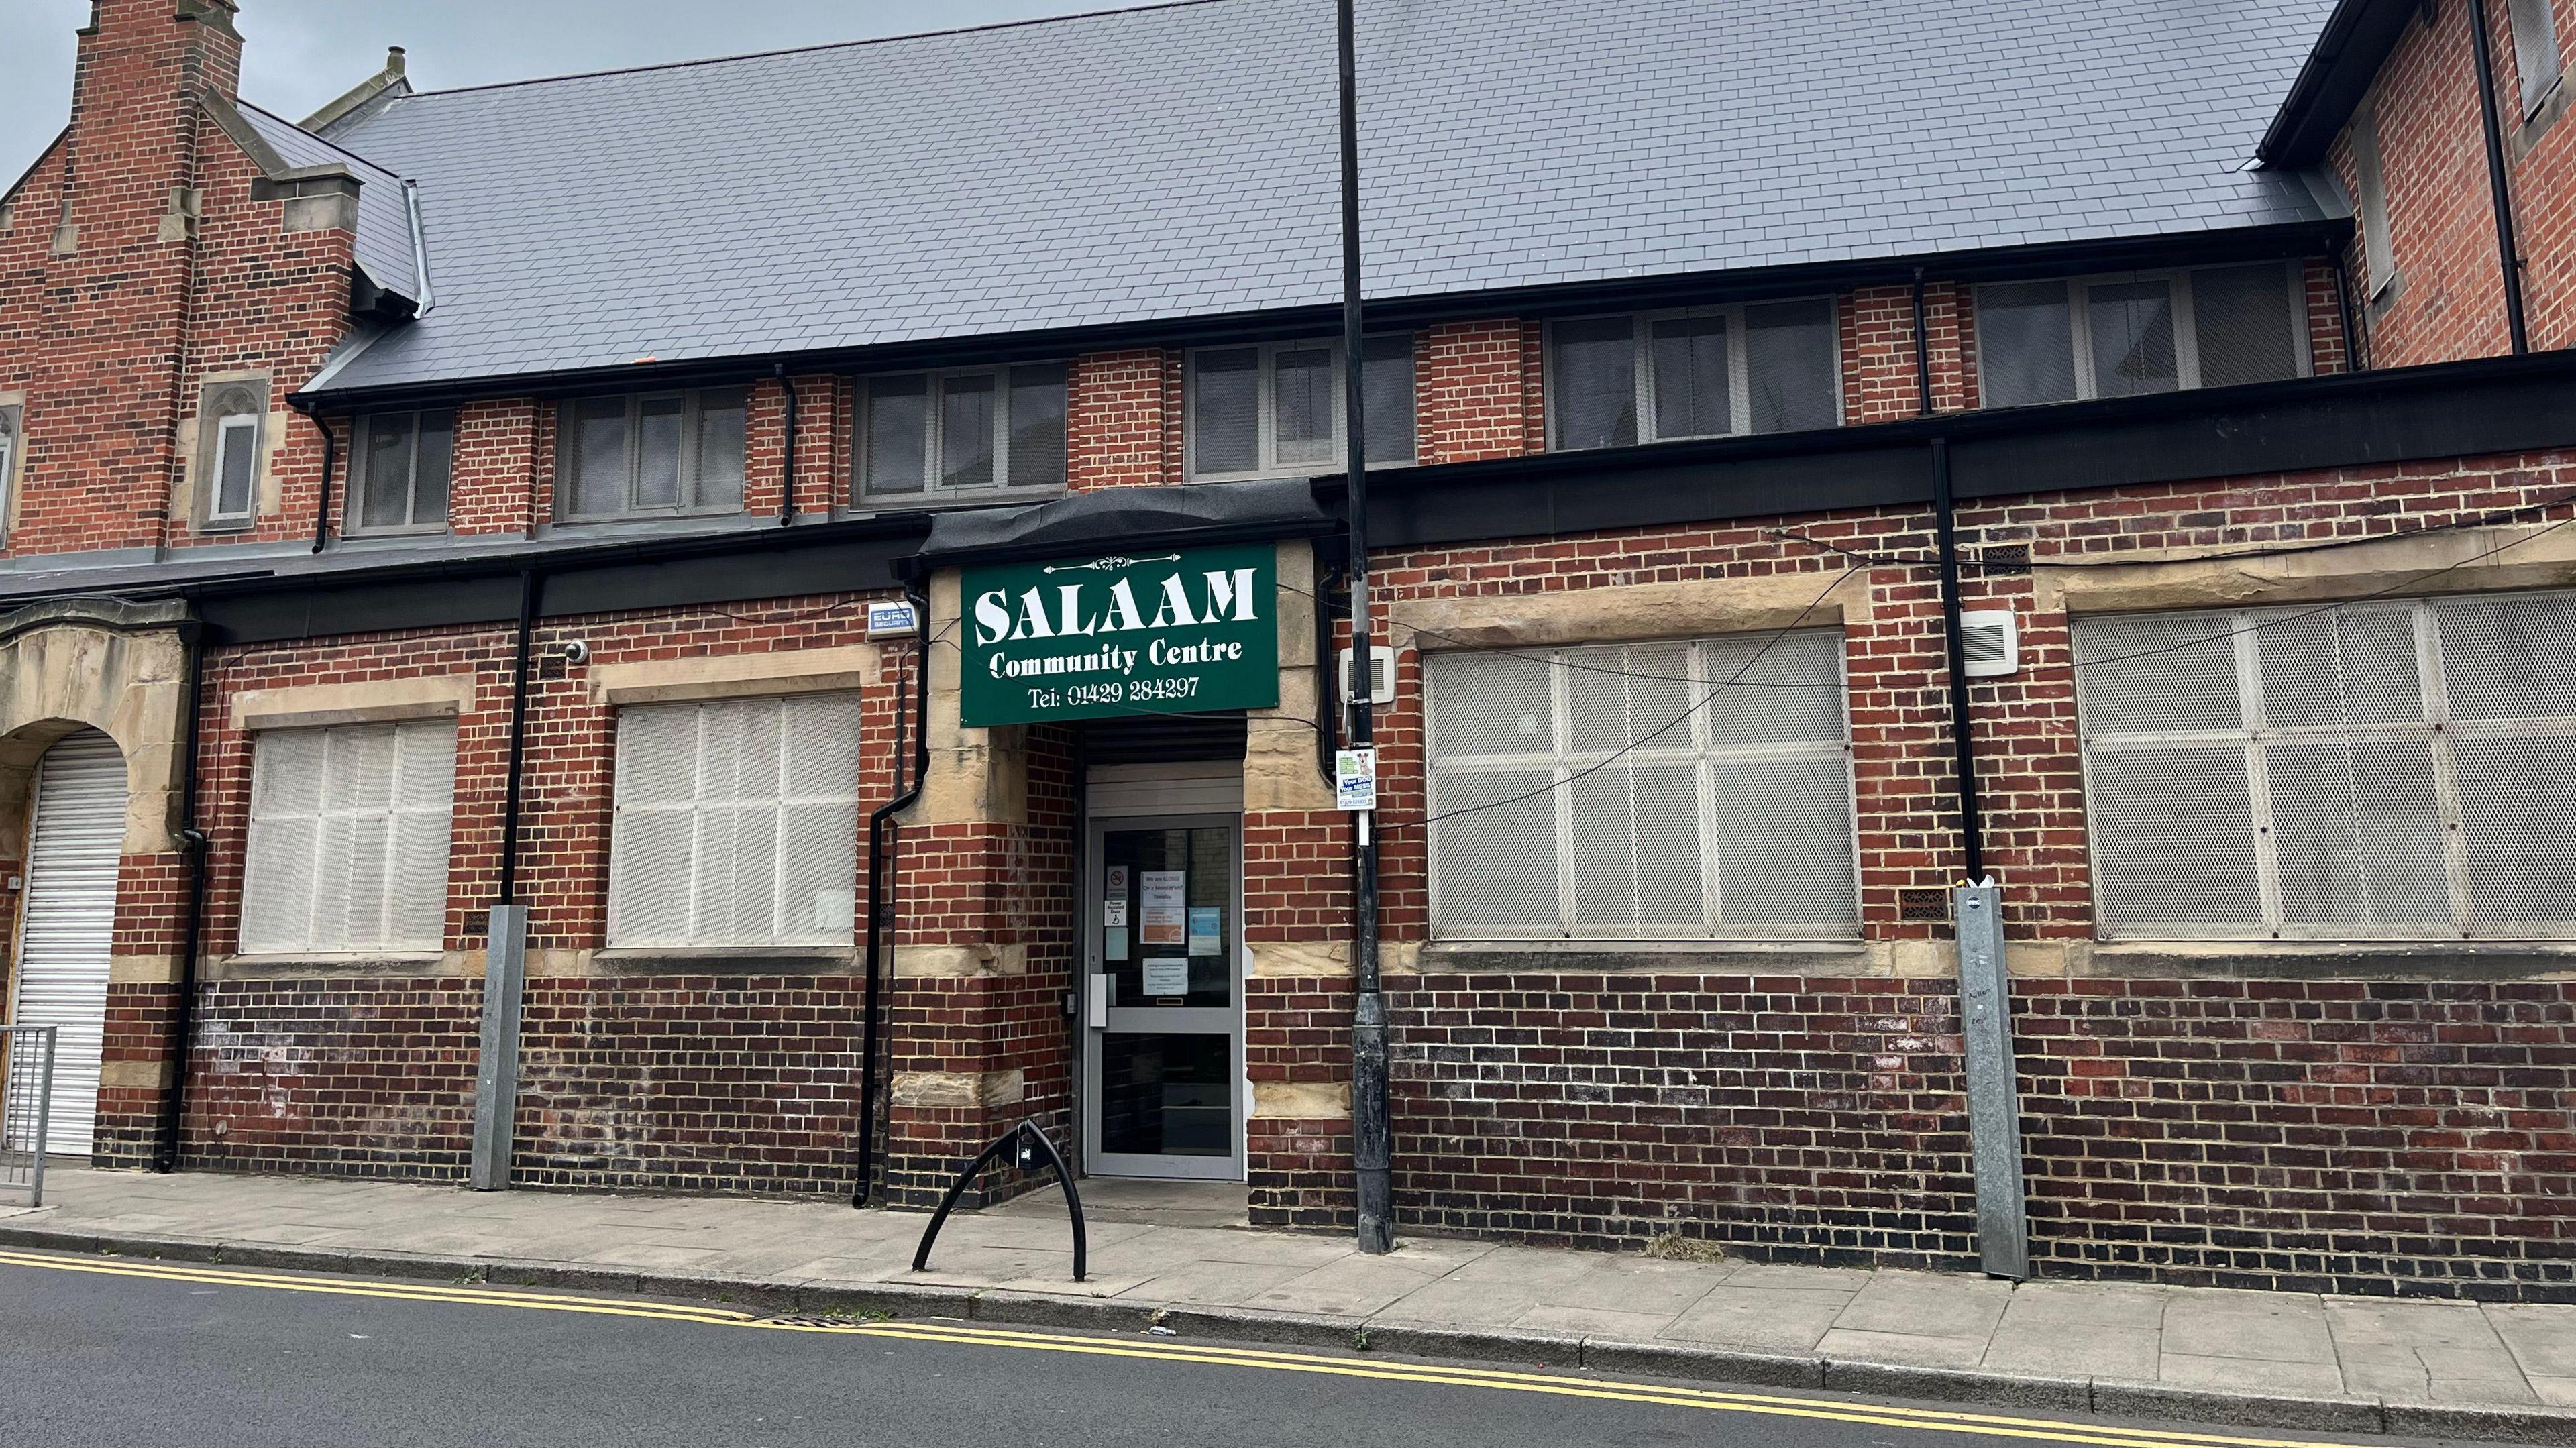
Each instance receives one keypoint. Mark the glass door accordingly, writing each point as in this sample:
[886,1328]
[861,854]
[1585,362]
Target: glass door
[1163,1075]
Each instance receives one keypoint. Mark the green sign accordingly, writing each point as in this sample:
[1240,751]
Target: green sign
[1177,632]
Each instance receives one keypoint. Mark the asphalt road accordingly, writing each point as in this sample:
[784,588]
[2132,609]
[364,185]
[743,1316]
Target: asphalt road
[124,1352]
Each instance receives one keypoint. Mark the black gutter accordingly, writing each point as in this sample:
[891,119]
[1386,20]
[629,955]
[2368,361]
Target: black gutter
[787,463]
[882,869]
[531,584]
[330,449]
[2286,240]
[1972,843]
[499,563]
[192,835]
[2353,44]
[2508,252]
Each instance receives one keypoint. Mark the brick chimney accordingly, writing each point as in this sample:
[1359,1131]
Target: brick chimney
[111,217]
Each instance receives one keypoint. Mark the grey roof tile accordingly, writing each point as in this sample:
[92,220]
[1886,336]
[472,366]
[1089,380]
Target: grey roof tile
[1179,161]
[384,223]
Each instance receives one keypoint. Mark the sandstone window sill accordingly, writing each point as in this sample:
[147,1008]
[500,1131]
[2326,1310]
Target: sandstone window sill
[2328,960]
[301,966]
[724,960]
[1799,957]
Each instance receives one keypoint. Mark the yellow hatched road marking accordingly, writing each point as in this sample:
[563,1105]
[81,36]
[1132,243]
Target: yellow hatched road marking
[1206,1354]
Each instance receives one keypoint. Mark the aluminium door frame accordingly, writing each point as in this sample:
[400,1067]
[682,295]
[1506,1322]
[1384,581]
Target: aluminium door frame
[1185,1020]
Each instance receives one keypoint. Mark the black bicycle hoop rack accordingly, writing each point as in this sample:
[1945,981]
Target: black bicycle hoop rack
[1028,1150]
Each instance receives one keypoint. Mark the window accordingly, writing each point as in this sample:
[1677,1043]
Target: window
[10,449]
[348,838]
[403,462]
[737,823]
[933,436]
[2398,769]
[1706,372]
[2535,51]
[1684,790]
[1277,408]
[2123,336]
[230,415]
[2378,253]
[660,453]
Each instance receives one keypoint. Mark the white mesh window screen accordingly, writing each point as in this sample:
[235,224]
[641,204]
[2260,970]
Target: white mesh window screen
[737,823]
[2400,769]
[348,839]
[1652,791]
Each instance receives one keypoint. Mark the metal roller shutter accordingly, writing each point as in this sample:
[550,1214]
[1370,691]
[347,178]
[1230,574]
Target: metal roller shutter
[78,833]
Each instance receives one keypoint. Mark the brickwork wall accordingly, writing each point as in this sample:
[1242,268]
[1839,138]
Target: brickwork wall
[2365,1137]
[668,1077]
[1118,407]
[1468,393]
[491,485]
[1009,887]
[2448,300]
[95,317]
[1574,1106]
[691,1083]
[2327,1136]
[340,1077]
[2541,170]
[263,300]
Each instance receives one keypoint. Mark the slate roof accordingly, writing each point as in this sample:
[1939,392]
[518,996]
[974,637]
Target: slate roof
[384,223]
[1179,162]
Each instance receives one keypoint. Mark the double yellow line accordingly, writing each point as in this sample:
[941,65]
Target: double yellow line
[1164,1351]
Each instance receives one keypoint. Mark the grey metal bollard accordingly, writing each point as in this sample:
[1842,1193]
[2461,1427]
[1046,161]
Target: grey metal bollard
[496,1070]
[1994,1101]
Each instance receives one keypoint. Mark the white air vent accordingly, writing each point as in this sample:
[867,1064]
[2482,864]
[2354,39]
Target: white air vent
[1381,675]
[1989,643]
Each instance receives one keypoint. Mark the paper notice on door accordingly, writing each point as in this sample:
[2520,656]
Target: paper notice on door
[1207,930]
[1113,943]
[1114,913]
[1167,888]
[1162,925]
[1115,885]
[1167,977]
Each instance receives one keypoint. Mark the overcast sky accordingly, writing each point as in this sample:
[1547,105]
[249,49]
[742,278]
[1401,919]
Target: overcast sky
[298,54]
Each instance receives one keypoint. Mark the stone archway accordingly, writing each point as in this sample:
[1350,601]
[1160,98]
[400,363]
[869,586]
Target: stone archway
[120,669]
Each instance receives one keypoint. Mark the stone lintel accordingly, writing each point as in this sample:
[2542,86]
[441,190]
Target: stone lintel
[1301,1100]
[959,962]
[959,1090]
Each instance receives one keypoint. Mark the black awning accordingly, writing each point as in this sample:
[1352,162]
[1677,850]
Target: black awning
[1130,518]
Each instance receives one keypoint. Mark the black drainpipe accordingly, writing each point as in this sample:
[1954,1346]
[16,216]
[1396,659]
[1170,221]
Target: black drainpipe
[330,451]
[2352,343]
[1971,829]
[531,583]
[881,881]
[787,466]
[1922,353]
[2508,251]
[183,1015]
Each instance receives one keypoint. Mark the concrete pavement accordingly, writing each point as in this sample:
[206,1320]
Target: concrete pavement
[1171,1258]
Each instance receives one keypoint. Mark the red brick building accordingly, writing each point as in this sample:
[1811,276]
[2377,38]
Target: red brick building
[523,478]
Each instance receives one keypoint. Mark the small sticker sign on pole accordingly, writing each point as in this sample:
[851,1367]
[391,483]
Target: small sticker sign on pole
[1355,779]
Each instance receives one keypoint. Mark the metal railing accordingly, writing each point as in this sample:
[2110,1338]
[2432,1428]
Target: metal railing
[26,1099]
